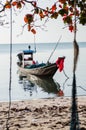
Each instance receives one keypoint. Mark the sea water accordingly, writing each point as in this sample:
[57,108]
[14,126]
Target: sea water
[23,89]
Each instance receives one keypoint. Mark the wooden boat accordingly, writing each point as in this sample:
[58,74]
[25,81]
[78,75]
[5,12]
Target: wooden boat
[27,65]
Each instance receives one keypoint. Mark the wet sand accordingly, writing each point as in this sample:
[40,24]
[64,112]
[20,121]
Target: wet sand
[42,114]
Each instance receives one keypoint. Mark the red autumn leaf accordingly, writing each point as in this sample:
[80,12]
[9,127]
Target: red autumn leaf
[19,5]
[28,18]
[29,27]
[41,14]
[53,8]
[71,14]
[60,6]
[7,5]
[62,1]
[33,31]
[14,3]
[71,28]
[65,16]
[34,3]
[46,12]
[22,1]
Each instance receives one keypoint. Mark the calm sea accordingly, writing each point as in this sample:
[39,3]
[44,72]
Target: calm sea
[23,89]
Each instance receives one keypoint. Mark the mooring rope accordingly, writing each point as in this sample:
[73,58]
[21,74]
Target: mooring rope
[10,73]
[54,49]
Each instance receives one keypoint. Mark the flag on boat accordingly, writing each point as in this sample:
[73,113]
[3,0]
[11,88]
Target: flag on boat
[60,63]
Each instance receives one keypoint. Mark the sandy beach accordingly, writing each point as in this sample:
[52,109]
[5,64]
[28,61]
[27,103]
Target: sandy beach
[42,114]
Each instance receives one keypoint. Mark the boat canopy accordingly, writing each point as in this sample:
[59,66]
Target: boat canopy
[28,51]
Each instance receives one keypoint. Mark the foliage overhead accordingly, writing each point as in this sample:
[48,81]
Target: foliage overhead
[63,8]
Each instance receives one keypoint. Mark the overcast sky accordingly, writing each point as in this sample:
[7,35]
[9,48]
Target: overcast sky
[53,30]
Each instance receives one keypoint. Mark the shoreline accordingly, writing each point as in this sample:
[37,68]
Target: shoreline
[42,114]
[69,97]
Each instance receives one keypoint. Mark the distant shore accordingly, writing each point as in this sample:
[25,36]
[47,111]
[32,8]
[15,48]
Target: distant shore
[42,114]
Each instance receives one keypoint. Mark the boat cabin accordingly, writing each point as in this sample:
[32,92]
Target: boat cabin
[25,58]
[28,54]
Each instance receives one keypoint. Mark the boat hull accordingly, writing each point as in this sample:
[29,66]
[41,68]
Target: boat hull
[46,71]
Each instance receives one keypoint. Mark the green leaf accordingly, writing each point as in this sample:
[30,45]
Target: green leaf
[54,15]
[36,10]
[62,12]
[83,18]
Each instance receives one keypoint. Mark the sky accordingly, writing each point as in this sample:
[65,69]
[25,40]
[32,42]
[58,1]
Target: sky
[51,33]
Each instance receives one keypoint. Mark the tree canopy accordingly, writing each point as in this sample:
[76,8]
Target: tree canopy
[63,8]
